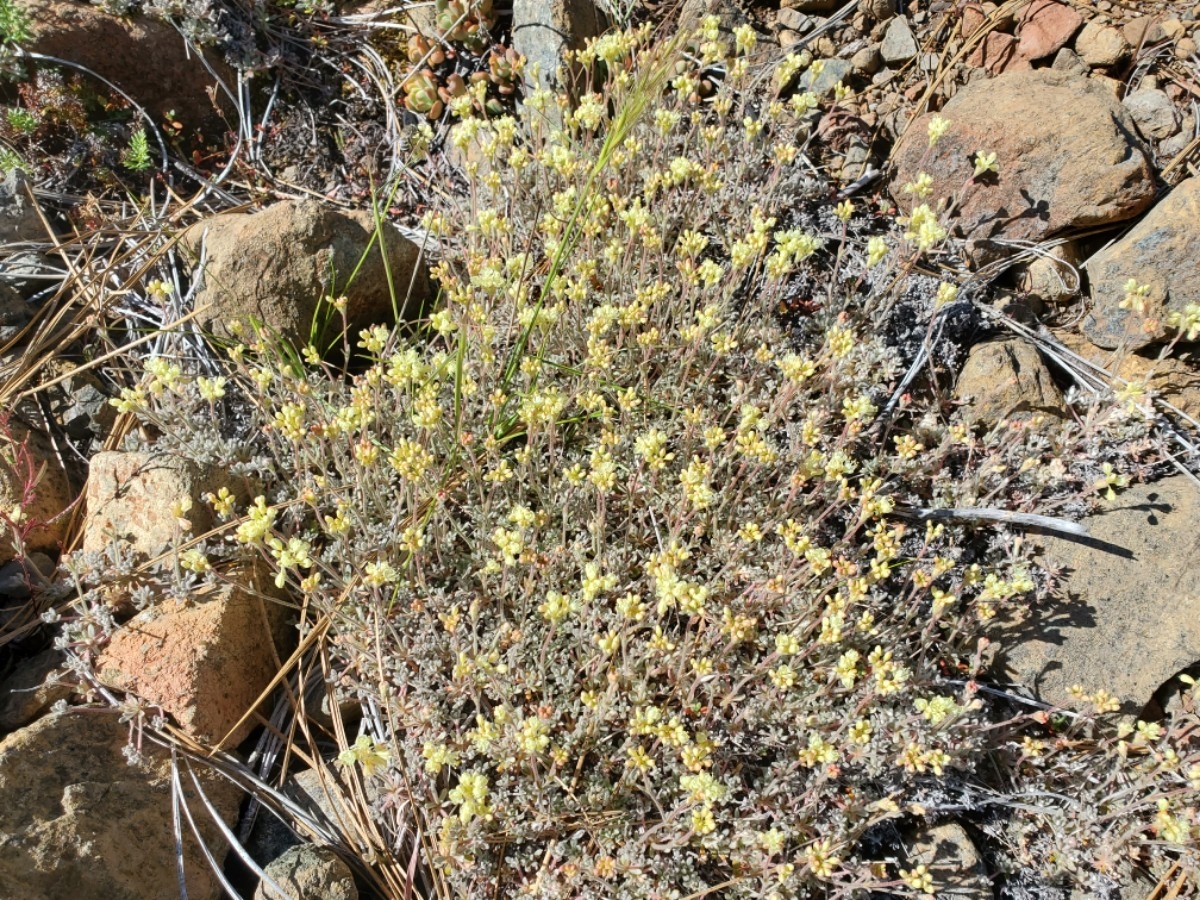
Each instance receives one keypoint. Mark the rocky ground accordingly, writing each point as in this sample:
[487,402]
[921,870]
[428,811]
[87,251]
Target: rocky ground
[1092,108]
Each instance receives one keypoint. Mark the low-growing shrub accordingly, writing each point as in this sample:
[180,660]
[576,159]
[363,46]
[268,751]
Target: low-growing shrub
[629,559]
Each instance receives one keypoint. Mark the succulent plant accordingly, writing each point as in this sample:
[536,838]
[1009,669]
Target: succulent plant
[421,95]
[423,51]
[453,87]
[465,21]
[504,68]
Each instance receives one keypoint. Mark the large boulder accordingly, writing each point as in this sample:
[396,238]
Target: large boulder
[78,821]
[204,662]
[1130,618]
[1067,151]
[279,267]
[146,58]
[1162,252]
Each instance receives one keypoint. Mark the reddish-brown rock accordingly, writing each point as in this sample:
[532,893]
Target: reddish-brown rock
[998,53]
[205,661]
[1005,378]
[974,16]
[1045,27]
[1067,152]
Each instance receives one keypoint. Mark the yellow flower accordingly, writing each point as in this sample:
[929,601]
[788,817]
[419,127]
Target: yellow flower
[410,459]
[820,858]
[534,737]
[744,38]
[695,483]
[373,339]
[609,643]
[1108,480]
[1187,321]
[639,759]
[847,668]
[907,446]
[211,388]
[471,793]
[877,249]
[194,561]
[918,879]
[438,756]
[412,538]
[380,573]
[703,821]
[985,162]
[293,554]
[258,523]
[1135,296]
[860,732]
[924,228]
[936,709]
[368,753]
[841,341]
[771,841]
[938,126]
[750,532]
[652,447]
[921,188]
[786,644]
[783,676]
[1171,828]
[702,788]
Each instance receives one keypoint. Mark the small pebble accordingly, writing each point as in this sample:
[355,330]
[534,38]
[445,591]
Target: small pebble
[1174,28]
[789,38]
[793,20]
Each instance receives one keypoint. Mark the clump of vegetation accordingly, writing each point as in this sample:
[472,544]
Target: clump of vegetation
[14,30]
[634,568]
[66,131]
[457,69]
